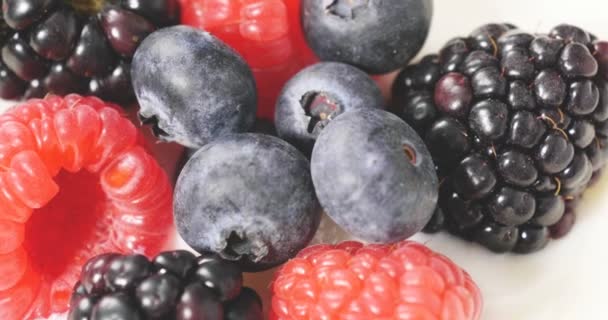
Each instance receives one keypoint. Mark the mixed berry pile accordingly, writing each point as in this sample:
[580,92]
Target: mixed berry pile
[495,139]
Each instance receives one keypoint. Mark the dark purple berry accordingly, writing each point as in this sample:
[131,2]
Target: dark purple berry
[513,39]
[124,29]
[489,82]
[570,33]
[511,207]
[489,119]
[448,141]
[581,133]
[158,294]
[486,37]
[22,60]
[517,168]
[453,94]
[545,51]
[478,60]
[496,237]
[20,14]
[583,98]
[473,178]
[576,61]
[199,302]
[549,210]
[526,129]
[550,88]
[247,306]
[517,64]
[520,96]
[54,38]
[452,54]
[531,239]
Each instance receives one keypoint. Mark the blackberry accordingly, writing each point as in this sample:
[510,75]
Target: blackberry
[174,285]
[75,46]
[517,127]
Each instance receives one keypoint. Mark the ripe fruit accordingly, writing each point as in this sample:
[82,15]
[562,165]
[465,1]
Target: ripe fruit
[75,182]
[267,33]
[374,176]
[61,47]
[317,95]
[248,197]
[513,121]
[191,87]
[376,36]
[351,281]
[174,285]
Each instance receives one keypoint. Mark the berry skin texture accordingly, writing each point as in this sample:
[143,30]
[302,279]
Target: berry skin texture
[376,36]
[76,182]
[317,95]
[515,159]
[374,176]
[84,47]
[170,286]
[191,87]
[267,33]
[220,205]
[405,280]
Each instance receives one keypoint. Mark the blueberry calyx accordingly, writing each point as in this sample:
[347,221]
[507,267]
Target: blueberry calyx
[347,9]
[410,153]
[238,246]
[152,121]
[321,108]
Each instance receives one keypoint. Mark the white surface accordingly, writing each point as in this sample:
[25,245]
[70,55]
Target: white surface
[568,279]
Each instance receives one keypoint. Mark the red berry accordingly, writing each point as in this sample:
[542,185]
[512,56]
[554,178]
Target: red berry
[351,281]
[75,181]
[267,33]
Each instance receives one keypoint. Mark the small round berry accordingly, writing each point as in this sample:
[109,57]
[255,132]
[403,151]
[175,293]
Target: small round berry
[563,227]
[517,168]
[489,119]
[180,263]
[514,39]
[116,306]
[545,51]
[512,207]
[496,237]
[223,277]
[247,306]
[577,173]
[517,64]
[583,98]
[447,140]
[199,302]
[81,307]
[581,133]
[157,295]
[554,153]
[453,94]
[520,96]
[93,273]
[452,54]
[418,110]
[485,37]
[549,210]
[531,239]
[489,83]
[126,272]
[550,88]
[478,60]
[577,61]
[474,178]
[569,33]
[436,223]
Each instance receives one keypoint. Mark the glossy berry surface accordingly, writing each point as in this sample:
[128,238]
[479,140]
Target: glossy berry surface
[173,285]
[267,33]
[77,182]
[405,280]
[374,176]
[219,206]
[191,87]
[376,36]
[83,47]
[317,95]
[516,129]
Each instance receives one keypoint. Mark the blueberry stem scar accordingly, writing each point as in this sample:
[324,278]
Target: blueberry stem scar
[410,153]
[346,9]
[321,108]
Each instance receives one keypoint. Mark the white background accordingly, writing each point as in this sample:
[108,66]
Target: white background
[567,280]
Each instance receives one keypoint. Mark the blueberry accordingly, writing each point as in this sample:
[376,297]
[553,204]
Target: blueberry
[374,176]
[248,197]
[192,87]
[318,94]
[377,36]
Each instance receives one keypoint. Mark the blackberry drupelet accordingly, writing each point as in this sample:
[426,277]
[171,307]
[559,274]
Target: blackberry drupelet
[174,285]
[517,126]
[75,46]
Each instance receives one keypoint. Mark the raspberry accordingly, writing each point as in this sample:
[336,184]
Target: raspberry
[267,33]
[75,182]
[352,281]
[516,124]
[174,285]
[75,46]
